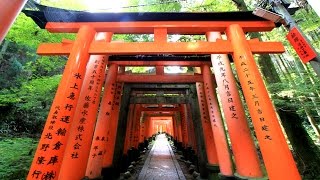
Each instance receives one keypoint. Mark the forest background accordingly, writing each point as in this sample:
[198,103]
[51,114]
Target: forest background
[28,82]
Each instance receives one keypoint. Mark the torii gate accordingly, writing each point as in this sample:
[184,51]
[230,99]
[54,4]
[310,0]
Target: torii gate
[65,146]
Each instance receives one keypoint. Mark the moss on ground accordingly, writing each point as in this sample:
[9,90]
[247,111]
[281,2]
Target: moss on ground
[16,156]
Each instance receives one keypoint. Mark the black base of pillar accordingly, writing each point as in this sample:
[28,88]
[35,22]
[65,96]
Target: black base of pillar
[146,144]
[213,171]
[238,177]
[141,146]
[124,163]
[223,177]
[87,178]
[179,146]
[109,173]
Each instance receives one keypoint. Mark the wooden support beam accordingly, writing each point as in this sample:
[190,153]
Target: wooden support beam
[160,78]
[125,48]
[159,109]
[157,100]
[177,62]
[173,27]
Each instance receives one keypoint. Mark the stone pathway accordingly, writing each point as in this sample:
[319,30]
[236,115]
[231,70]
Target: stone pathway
[161,163]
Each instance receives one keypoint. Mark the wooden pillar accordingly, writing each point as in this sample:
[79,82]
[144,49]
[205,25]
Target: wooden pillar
[128,136]
[111,133]
[120,131]
[142,133]
[179,126]
[81,132]
[136,132]
[191,130]
[9,10]
[94,165]
[276,154]
[185,133]
[220,139]
[206,126]
[48,156]
[201,159]
[243,148]
[146,126]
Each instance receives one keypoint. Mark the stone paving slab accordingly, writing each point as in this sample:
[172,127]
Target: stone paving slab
[161,163]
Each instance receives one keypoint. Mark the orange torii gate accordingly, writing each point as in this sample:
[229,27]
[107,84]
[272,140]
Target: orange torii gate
[69,104]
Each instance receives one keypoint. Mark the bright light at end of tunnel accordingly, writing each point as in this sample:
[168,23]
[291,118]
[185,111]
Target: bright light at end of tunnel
[105,5]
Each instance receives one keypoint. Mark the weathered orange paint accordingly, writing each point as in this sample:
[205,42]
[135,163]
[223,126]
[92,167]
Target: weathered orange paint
[81,131]
[276,154]
[206,126]
[112,127]
[142,133]
[243,148]
[160,70]
[95,159]
[177,120]
[9,11]
[128,137]
[185,133]
[49,153]
[136,127]
[173,27]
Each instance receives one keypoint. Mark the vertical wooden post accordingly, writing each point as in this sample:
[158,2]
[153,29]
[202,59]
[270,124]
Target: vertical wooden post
[193,141]
[9,10]
[184,125]
[276,154]
[137,127]
[206,126]
[219,133]
[243,148]
[81,132]
[142,133]
[111,133]
[94,165]
[179,126]
[128,137]
[48,156]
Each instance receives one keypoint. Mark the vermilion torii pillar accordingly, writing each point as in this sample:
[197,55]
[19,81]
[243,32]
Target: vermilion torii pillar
[243,148]
[112,130]
[81,132]
[128,135]
[9,11]
[94,166]
[50,151]
[184,125]
[192,140]
[276,154]
[136,127]
[206,126]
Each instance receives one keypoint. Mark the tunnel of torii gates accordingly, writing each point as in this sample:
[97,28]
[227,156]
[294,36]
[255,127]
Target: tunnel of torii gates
[102,116]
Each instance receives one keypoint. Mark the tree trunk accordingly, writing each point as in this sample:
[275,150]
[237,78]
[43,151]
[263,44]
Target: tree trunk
[304,147]
[4,48]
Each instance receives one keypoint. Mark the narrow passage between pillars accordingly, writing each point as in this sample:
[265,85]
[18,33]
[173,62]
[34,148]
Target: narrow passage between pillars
[161,163]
